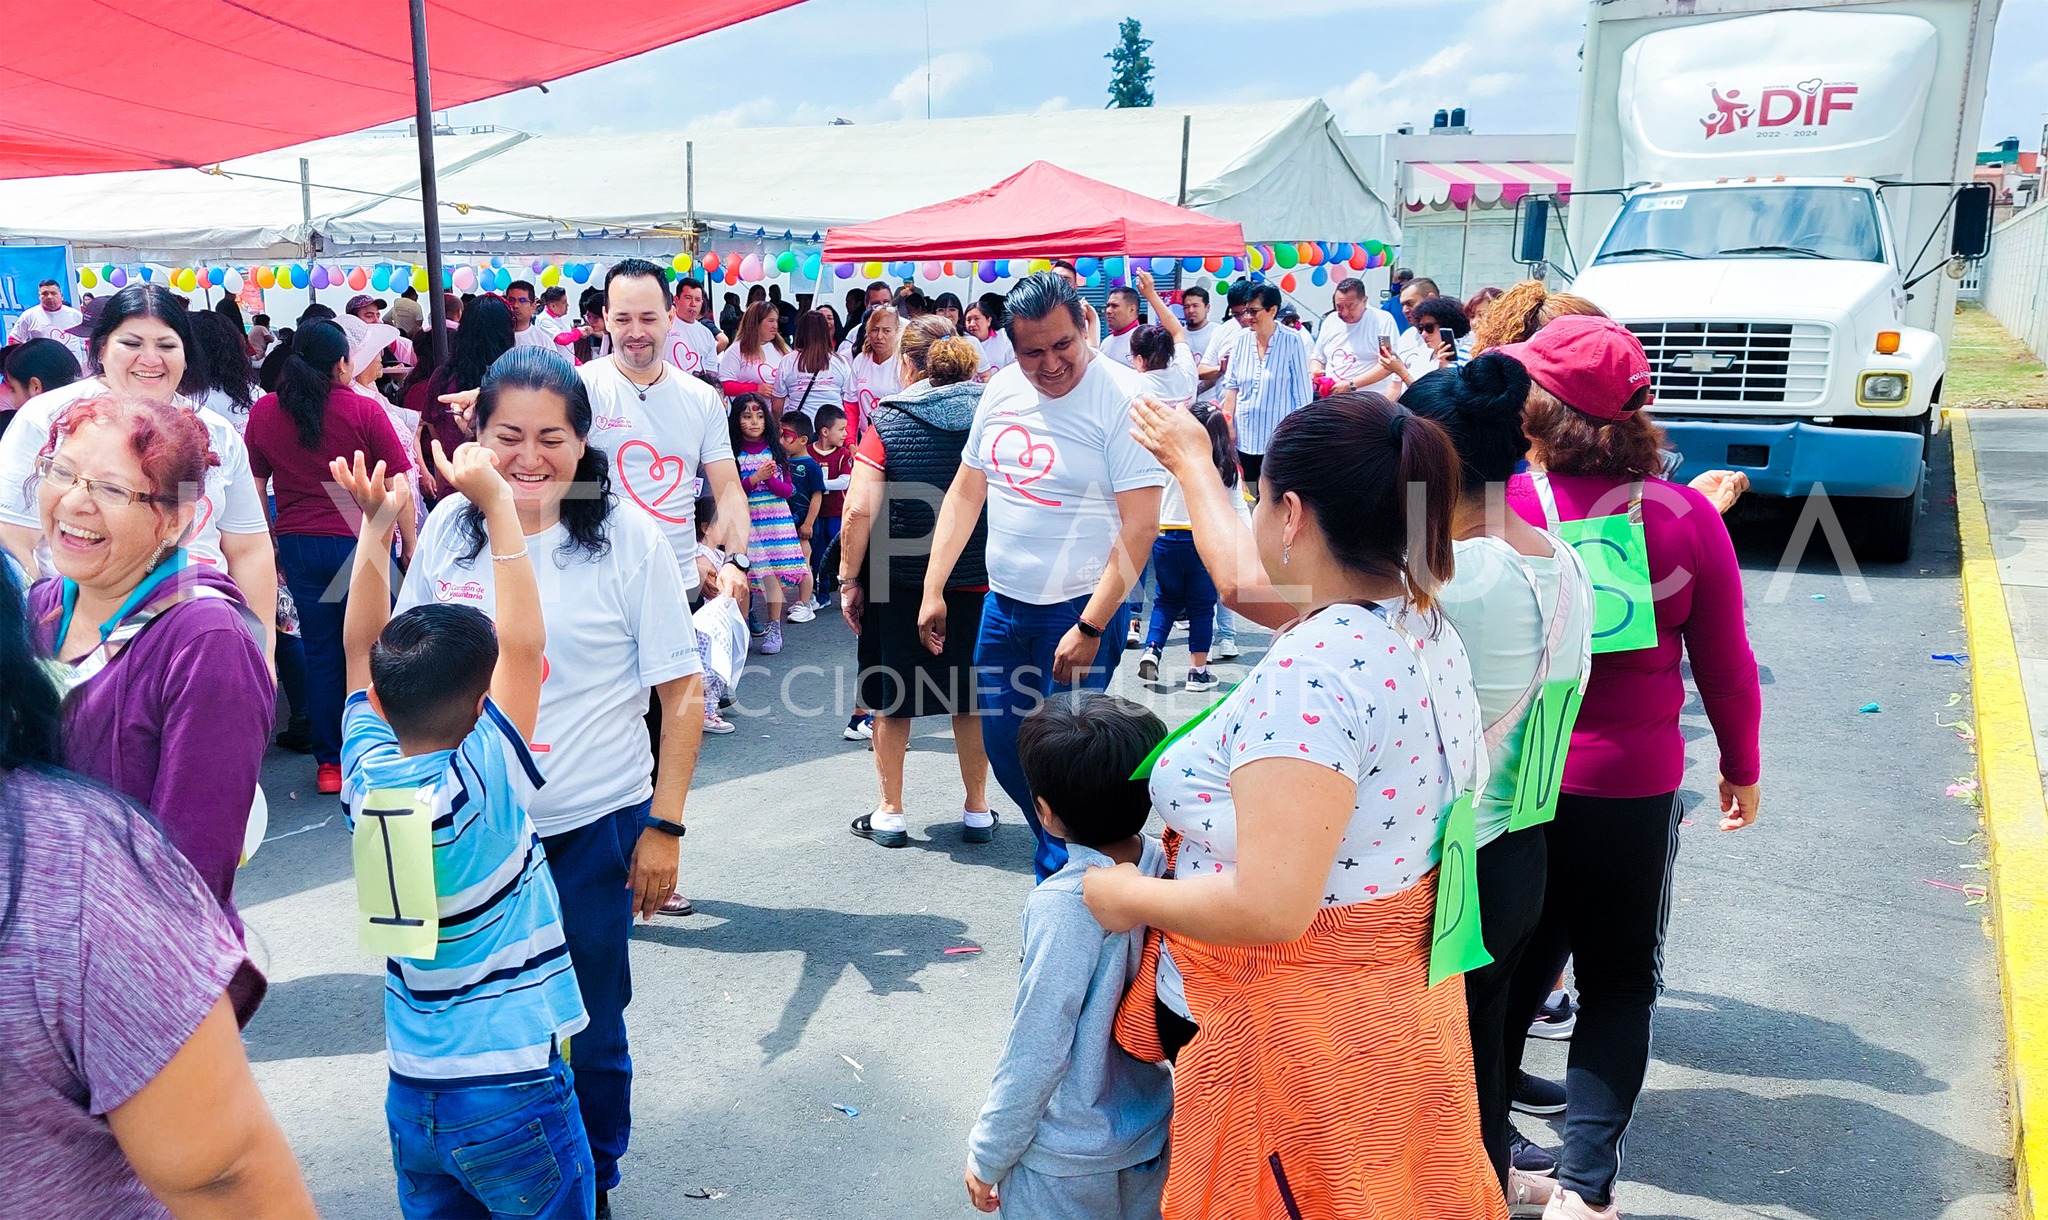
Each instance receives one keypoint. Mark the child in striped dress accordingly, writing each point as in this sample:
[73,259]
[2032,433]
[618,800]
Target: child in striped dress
[775,557]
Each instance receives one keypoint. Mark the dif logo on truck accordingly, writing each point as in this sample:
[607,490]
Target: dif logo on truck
[1804,108]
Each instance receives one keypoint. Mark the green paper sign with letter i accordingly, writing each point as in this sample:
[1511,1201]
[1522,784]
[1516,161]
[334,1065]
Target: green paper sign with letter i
[398,914]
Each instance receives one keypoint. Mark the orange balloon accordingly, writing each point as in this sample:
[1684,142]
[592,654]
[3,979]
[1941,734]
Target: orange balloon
[359,279]
[1213,263]
[1307,252]
[949,268]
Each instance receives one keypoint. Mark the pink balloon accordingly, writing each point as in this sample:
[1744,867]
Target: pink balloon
[359,279]
[750,268]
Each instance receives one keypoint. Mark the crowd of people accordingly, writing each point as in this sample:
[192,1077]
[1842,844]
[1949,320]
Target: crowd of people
[505,592]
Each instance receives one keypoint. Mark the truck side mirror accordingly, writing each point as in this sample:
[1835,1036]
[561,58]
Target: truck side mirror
[1534,214]
[1971,237]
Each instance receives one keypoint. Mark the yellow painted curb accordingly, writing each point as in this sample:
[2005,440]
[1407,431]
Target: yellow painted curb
[2015,822]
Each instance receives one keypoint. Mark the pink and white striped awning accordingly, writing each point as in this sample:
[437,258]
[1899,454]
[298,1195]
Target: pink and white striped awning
[1459,184]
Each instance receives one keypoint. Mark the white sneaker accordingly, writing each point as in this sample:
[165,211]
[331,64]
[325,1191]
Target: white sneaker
[802,612]
[1135,638]
[1148,666]
[1225,649]
[861,730]
[717,724]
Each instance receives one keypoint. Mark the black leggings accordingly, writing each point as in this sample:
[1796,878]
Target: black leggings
[1511,883]
[1607,905]
[1250,463]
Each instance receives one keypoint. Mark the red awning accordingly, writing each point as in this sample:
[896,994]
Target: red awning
[155,84]
[1040,210]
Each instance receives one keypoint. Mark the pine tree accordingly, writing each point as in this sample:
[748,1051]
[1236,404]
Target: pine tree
[1130,82]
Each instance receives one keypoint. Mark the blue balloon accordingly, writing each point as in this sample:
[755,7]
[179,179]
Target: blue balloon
[147,275]
[1162,266]
[1258,277]
[1343,254]
[380,277]
[1320,276]
[1191,264]
[1113,265]
[1087,266]
[214,275]
[1002,268]
[580,272]
[1093,281]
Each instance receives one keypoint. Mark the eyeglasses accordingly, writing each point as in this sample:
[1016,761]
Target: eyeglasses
[61,479]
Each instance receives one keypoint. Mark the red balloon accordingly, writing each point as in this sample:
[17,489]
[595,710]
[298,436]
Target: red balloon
[711,262]
[1359,257]
[949,268]
[1287,282]
[1212,264]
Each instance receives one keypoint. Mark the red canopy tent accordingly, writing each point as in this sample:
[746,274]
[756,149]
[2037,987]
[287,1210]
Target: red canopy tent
[155,84]
[1040,210]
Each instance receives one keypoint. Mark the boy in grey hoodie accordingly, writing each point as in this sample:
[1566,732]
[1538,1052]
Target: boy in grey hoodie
[1074,1126]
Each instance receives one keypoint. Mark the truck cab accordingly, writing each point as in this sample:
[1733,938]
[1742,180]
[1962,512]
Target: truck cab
[1783,190]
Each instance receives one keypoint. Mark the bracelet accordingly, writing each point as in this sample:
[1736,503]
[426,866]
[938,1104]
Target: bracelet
[518,554]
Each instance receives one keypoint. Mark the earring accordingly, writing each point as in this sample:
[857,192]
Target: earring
[1286,549]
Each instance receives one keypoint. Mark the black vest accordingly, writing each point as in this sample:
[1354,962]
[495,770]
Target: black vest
[922,436]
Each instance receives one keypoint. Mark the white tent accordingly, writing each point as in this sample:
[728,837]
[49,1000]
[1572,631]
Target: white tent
[251,210]
[1281,169]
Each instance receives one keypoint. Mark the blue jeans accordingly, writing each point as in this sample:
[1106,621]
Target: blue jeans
[311,562]
[491,1150]
[1134,601]
[592,867]
[1185,591]
[1013,674]
[824,579]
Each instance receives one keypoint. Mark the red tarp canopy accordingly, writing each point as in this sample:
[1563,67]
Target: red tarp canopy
[1040,210]
[97,85]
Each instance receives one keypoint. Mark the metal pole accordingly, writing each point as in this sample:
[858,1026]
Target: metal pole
[430,195]
[306,213]
[690,202]
[1187,126]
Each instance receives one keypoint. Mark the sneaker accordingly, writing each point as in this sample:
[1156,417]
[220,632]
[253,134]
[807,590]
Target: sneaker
[1535,1095]
[802,612]
[755,629]
[1135,638]
[860,728]
[1555,1024]
[297,736]
[771,640]
[1225,649]
[1199,680]
[1567,1205]
[970,833]
[1148,666]
[1527,1157]
[864,826]
[718,725]
[604,1205]
[677,905]
[328,779]
[1529,1194]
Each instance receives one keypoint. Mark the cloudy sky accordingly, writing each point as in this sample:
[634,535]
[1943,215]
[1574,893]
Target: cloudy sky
[1512,63]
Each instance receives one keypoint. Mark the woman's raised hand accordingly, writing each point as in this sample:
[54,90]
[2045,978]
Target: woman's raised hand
[473,471]
[382,499]
[1172,434]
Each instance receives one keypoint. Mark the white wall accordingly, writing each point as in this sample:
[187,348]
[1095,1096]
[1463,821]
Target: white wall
[1464,251]
[2016,277]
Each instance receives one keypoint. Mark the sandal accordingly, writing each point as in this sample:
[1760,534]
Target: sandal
[979,834]
[864,827]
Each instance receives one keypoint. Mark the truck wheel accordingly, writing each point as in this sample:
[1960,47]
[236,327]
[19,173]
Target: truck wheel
[1884,528]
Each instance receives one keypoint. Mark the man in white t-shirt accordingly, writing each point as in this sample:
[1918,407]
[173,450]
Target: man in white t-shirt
[691,346]
[519,299]
[663,430]
[553,317]
[1073,508]
[1194,306]
[1351,340]
[1121,312]
[49,318]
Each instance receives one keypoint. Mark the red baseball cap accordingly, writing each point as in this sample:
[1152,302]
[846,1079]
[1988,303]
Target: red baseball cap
[1589,362]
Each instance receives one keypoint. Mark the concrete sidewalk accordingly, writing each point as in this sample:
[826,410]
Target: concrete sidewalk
[2001,460]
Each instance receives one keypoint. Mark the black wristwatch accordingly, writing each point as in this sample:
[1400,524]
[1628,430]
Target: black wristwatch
[676,829]
[1088,629]
[740,561]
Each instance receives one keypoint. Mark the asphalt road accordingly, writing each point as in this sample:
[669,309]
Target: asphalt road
[1829,1045]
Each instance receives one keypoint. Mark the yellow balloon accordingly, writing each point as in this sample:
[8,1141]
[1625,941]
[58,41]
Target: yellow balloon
[1255,260]
[419,279]
[872,271]
[1040,264]
[550,276]
[87,278]
[188,279]
[681,263]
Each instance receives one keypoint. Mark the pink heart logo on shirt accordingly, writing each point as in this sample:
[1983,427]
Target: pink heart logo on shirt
[1389,793]
[1308,719]
[674,469]
[1202,797]
[1286,661]
[1390,684]
[1022,460]
[1372,889]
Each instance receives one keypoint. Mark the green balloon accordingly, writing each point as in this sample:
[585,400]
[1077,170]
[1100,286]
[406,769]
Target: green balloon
[1285,254]
[786,261]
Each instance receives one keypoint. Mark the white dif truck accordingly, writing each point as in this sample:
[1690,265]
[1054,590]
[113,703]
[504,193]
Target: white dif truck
[1784,188]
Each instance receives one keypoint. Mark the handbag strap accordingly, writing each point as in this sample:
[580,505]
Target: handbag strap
[1497,731]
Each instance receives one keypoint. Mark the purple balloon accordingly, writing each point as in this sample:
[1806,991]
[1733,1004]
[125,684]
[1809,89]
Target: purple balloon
[843,270]
[319,276]
[987,273]
[119,278]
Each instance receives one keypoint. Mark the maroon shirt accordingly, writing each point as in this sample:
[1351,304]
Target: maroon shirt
[178,721]
[116,954]
[299,476]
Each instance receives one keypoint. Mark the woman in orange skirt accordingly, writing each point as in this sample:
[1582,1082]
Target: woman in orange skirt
[1318,1075]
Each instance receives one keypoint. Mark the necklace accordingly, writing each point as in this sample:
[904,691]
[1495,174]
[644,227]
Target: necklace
[641,390]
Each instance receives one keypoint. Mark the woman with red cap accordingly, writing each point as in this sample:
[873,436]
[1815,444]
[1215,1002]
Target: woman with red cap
[1666,582]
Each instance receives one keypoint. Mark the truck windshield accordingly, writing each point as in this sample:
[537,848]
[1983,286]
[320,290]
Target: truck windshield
[1748,222]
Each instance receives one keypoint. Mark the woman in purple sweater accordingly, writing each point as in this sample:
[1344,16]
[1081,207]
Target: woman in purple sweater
[168,697]
[1594,455]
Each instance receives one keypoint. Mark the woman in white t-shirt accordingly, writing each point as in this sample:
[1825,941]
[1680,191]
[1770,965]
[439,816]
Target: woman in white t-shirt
[1522,601]
[1310,809]
[748,366]
[812,374]
[876,371]
[984,325]
[609,817]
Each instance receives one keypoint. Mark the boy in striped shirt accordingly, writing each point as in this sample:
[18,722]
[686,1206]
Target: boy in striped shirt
[481,1109]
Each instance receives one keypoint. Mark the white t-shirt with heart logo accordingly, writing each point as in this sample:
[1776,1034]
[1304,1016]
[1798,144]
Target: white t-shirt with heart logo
[871,384]
[1054,466]
[659,448]
[691,347]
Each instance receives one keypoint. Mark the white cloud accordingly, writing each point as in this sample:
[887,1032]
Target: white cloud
[1053,105]
[752,113]
[1505,47]
[948,72]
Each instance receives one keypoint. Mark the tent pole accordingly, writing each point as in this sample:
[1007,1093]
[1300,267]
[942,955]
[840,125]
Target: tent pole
[430,195]
[690,201]
[1187,124]
[306,213]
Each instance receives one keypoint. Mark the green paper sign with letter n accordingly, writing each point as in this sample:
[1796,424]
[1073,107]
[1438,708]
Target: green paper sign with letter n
[1618,560]
[1546,736]
[398,913]
[1456,943]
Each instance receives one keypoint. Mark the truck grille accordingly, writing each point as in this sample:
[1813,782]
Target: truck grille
[1736,362]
